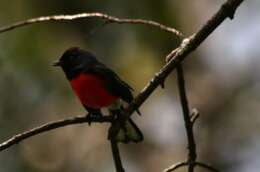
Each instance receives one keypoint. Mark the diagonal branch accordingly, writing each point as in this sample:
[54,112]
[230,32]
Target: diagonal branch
[188,45]
[175,166]
[206,166]
[53,125]
[111,19]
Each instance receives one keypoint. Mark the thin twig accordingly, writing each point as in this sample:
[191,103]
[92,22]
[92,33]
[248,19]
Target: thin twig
[188,121]
[111,19]
[209,167]
[194,115]
[186,115]
[175,166]
[112,134]
[52,125]
[116,155]
[181,164]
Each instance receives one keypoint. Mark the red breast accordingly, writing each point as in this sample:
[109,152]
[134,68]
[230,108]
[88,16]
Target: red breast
[91,90]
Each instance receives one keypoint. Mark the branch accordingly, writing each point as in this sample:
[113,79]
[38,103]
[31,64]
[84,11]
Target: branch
[111,19]
[187,121]
[203,165]
[112,134]
[116,156]
[182,164]
[175,166]
[176,57]
[52,125]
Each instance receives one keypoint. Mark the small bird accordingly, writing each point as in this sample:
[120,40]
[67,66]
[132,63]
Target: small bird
[97,86]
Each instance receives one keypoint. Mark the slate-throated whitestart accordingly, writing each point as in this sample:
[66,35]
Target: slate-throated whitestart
[97,87]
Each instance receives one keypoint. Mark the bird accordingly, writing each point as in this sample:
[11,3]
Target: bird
[97,86]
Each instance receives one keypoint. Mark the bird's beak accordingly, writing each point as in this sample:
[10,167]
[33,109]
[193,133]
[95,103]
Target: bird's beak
[57,63]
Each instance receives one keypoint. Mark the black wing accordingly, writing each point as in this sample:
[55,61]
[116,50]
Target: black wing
[115,85]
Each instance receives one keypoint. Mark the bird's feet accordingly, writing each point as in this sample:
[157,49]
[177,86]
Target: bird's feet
[92,115]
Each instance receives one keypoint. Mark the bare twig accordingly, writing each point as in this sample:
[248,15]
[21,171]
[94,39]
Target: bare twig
[112,134]
[185,163]
[209,167]
[194,115]
[111,19]
[189,121]
[175,166]
[116,155]
[52,125]
[186,115]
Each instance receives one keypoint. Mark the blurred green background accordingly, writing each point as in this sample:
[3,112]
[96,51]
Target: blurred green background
[222,79]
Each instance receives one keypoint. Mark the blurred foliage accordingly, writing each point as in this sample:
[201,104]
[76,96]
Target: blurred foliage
[222,80]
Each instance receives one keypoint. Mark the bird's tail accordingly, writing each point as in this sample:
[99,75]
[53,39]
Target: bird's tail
[124,132]
[129,133]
